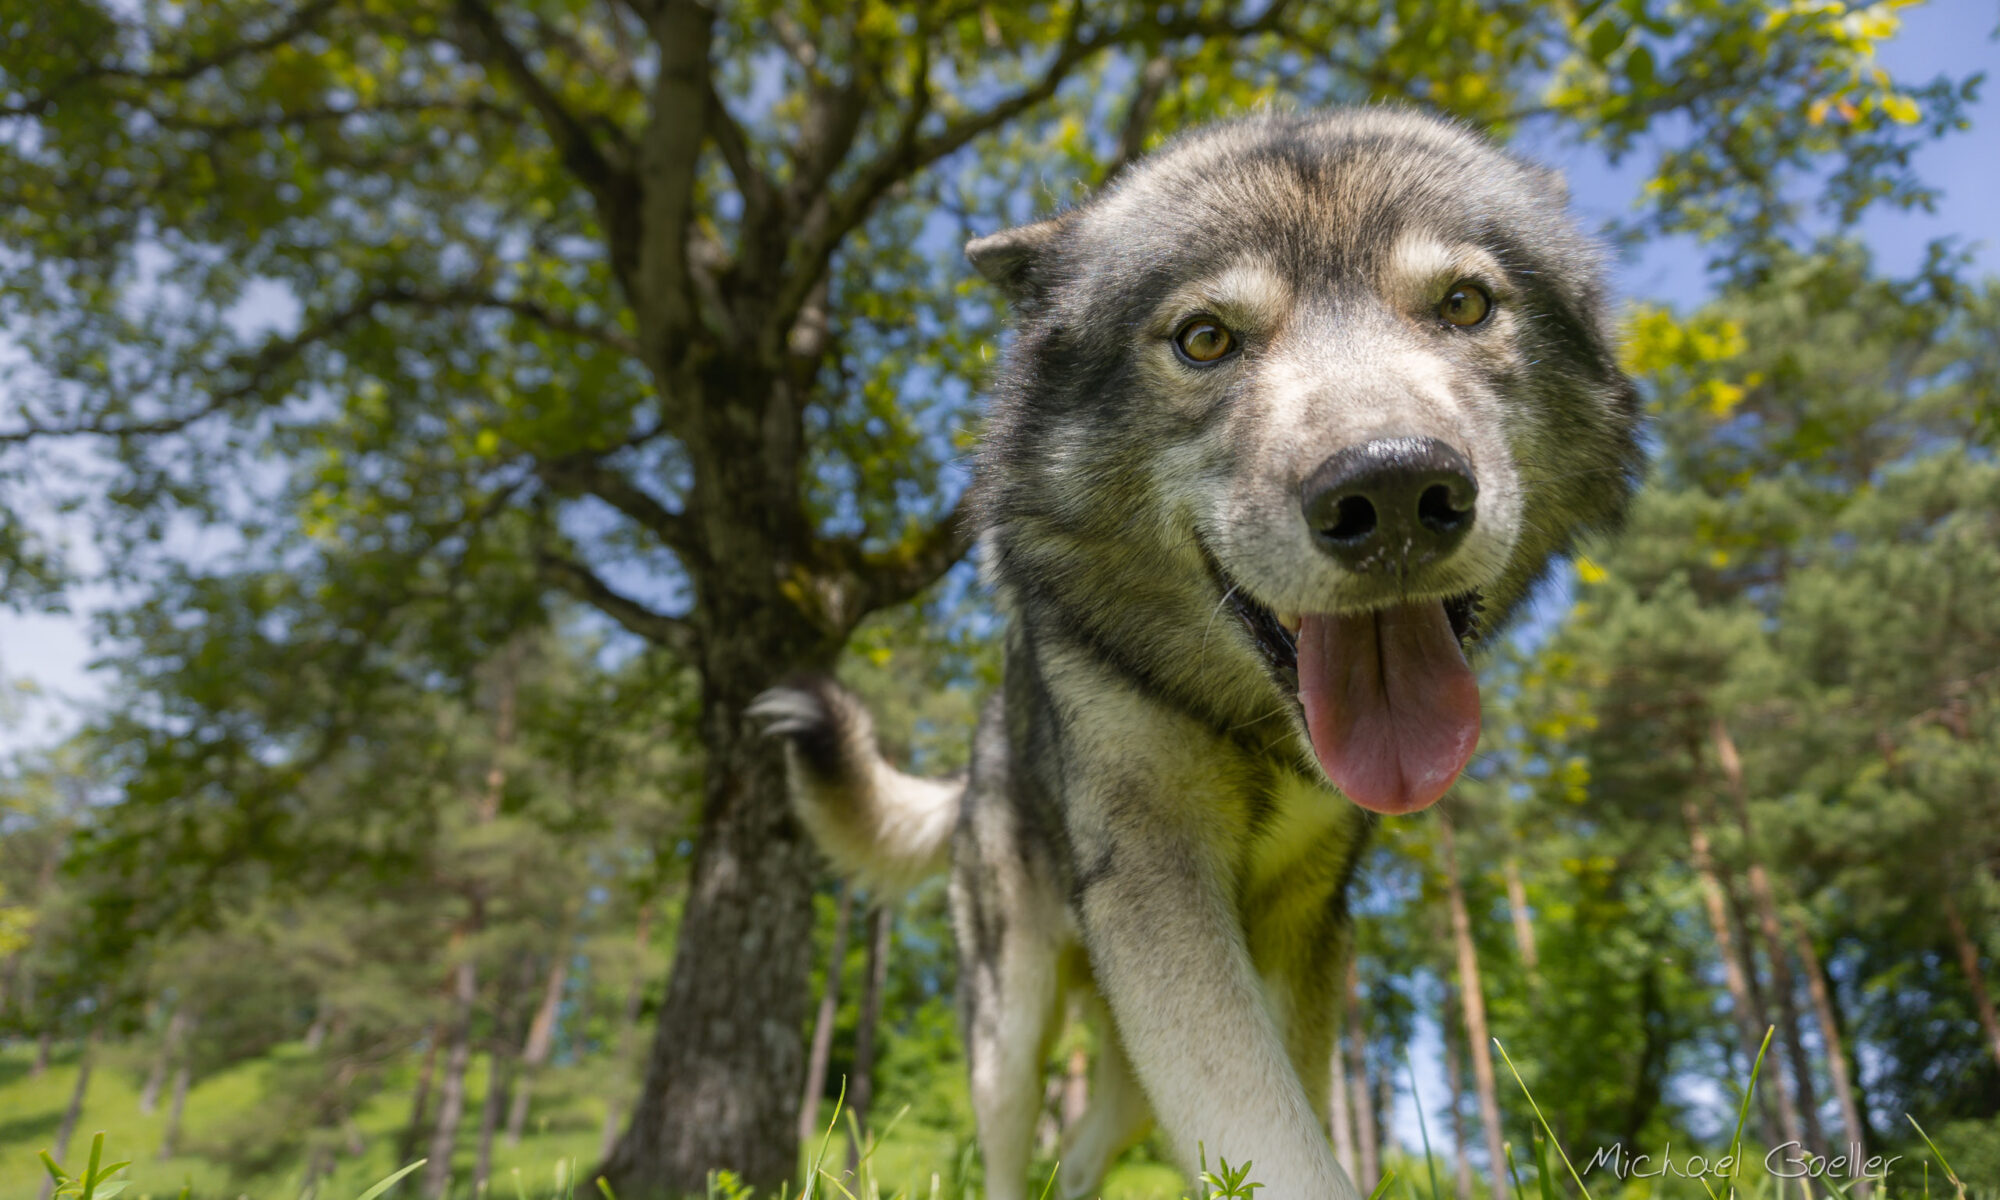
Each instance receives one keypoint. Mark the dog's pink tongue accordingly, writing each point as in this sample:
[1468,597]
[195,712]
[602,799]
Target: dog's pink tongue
[1391,705]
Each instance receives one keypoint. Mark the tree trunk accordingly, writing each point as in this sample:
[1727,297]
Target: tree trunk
[1763,896]
[156,1078]
[316,1032]
[1454,1094]
[45,1042]
[420,1098]
[1749,1016]
[73,1113]
[628,1030]
[1975,980]
[1524,928]
[170,1135]
[1473,1002]
[1836,1051]
[499,1070]
[823,1021]
[1368,1151]
[1076,1088]
[1339,1116]
[861,1089]
[451,1091]
[541,1040]
[722,1081]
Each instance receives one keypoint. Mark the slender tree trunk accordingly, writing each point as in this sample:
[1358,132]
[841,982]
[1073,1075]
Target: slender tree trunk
[1076,1088]
[44,1044]
[823,1021]
[318,1162]
[420,1098]
[541,1041]
[628,1031]
[170,1135]
[1368,1151]
[1524,926]
[862,1087]
[1975,980]
[1763,895]
[1454,1093]
[1836,1051]
[1749,1017]
[451,1090]
[499,1070]
[74,1112]
[722,1082]
[316,1032]
[1340,1117]
[1473,1002]
[156,1078]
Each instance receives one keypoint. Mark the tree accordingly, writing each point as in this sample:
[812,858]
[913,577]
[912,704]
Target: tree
[620,300]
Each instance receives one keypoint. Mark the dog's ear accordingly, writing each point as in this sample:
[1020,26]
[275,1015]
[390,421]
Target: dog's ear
[1017,259]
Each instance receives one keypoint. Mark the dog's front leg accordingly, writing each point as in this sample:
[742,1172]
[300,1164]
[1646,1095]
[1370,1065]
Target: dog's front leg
[1168,951]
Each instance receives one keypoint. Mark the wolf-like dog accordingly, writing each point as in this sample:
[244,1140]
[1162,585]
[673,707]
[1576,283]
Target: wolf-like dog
[1296,407]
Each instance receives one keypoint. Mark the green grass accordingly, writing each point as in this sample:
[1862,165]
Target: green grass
[907,1160]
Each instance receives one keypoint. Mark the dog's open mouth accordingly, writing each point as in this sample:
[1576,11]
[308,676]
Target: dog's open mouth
[1390,704]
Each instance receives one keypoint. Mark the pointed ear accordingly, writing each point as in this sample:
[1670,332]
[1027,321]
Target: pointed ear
[1016,259]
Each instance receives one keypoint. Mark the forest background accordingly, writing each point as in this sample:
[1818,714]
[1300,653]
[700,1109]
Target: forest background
[426,425]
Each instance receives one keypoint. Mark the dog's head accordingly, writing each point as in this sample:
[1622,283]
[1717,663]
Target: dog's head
[1347,374]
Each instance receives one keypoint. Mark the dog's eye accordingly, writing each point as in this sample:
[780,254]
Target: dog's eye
[1465,304]
[1203,341]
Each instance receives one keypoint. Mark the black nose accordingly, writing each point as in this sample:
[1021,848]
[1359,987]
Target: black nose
[1391,503]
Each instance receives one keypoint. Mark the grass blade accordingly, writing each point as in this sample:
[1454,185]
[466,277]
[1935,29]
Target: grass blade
[1539,1117]
[1430,1162]
[390,1182]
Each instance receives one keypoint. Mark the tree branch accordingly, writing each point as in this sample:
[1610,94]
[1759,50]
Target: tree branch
[580,581]
[908,154]
[881,578]
[671,146]
[295,23]
[586,475]
[258,365]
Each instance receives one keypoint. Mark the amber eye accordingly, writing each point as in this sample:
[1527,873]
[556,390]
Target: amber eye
[1203,341]
[1465,304]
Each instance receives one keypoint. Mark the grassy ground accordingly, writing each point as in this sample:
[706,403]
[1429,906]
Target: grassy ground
[222,1108]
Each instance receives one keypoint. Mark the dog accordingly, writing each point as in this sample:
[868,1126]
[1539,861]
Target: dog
[1296,407]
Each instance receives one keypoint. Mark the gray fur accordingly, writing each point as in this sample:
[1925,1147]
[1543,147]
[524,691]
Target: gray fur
[1144,821]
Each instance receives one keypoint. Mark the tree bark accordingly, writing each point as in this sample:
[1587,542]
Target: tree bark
[1524,927]
[1975,980]
[170,1134]
[861,1089]
[1368,1151]
[1340,1117]
[1454,1087]
[73,1113]
[723,1078]
[451,1090]
[823,1021]
[420,1098]
[1763,896]
[156,1078]
[499,1071]
[1836,1050]
[1743,1004]
[1473,1003]
[541,1040]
